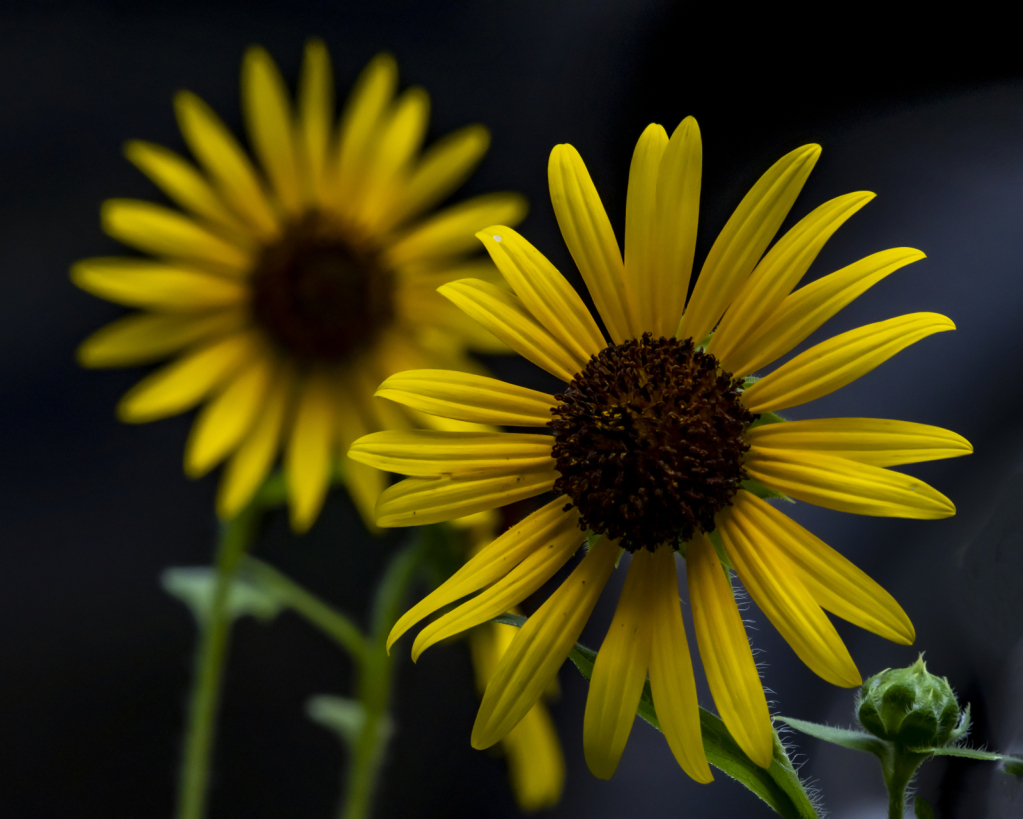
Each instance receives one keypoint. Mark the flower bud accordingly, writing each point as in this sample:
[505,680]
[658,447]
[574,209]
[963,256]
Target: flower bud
[910,707]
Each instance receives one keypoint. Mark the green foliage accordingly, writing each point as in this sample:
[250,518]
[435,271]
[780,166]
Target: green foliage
[194,586]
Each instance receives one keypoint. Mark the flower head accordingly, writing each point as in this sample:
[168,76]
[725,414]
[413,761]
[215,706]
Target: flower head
[287,290]
[662,445]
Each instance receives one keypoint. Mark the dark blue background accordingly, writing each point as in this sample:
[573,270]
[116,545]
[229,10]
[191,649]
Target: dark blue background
[96,658]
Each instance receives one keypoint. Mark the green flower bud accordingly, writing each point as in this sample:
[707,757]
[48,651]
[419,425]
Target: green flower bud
[910,707]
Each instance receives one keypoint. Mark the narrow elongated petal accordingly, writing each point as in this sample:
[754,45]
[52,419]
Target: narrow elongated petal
[641,247]
[847,486]
[307,458]
[504,315]
[177,178]
[590,239]
[536,765]
[184,383]
[469,397]
[155,285]
[778,272]
[874,441]
[225,420]
[744,239]
[315,119]
[534,532]
[535,570]
[225,163]
[453,230]
[165,232]
[251,462]
[835,583]
[803,311]
[143,338]
[541,646]
[426,453]
[619,673]
[774,585]
[839,361]
[678,210]
[672,682]
[270,126]
[544,292]
[727,658]
[419,501]
[354,416]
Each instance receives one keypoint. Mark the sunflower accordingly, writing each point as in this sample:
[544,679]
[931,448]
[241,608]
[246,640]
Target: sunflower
[663,446]
[287,291]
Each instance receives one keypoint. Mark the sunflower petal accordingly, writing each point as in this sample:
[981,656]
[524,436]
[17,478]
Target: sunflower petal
[590,239]
[536,765]
[672,682]
[419,501]
[839,361]
[495,560]
[641,265]
[744,239]
[426,453]
[619,673]
[541,646]
[846,486]
[504,315]
[835,583]
[315,118]
[774,585]
[155,285]
[778,272]
[307,458]
[874,441]
[727,658]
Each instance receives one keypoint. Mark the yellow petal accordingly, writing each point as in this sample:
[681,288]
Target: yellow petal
[523,580]
[835,583]
[504,315]
[315,118]
[541,646]
[453,230]
[678,210]
[774,585]
[809,307]
[226,419]
[494,561]
[144,338]
[839,361]
[590,239]
[184,383]
[425,453]
[155,285]
[847,486]
[536,765]
[778,272]
[177,178]
[269,123]
[225,163]
[619,673]
[424,311]
[546,294]
[641,267]
[251,462]
[165,232]
[727,658]
[364,483]
[419,501]
[744,239]
[672,682]
[307,459]
[875,441]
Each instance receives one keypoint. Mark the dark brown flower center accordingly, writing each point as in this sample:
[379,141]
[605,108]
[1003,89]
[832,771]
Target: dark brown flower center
[320,295]
[648,440]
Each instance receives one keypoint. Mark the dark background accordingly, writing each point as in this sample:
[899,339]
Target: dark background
[96,659]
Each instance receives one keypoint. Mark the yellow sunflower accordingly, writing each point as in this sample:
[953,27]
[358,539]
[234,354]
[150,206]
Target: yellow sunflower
[286,291]
[660,445]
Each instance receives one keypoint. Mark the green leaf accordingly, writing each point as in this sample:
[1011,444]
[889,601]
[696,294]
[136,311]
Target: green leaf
[778,786]
[766,418]
[764,492]
[922,808]
[1014,765]
[343,716]
[846,737]
[194,586]
[967,753]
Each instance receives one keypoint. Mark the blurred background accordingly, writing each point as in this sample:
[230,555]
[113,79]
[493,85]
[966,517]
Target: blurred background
[96,658]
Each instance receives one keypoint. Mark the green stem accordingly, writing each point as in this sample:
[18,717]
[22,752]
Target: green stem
[899,768]
[235,537]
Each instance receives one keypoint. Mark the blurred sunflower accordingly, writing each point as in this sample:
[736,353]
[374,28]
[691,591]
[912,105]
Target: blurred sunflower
[660,446]
[286,292]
